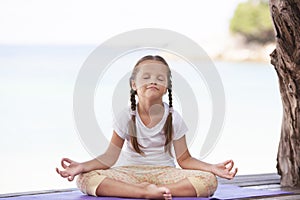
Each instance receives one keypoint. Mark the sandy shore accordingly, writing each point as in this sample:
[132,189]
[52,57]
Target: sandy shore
[233,48]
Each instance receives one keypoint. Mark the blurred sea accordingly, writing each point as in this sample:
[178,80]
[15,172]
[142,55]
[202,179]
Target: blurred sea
[37,126]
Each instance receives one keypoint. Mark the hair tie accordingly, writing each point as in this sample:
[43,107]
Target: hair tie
[133,112]
[171,110]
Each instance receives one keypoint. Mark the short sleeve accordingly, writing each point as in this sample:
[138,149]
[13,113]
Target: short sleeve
[120,124]
[180,127]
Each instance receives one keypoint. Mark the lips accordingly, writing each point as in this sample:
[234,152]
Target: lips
[152,87]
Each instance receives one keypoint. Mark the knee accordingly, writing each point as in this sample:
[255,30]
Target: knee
[81,182]
[89,182]
[212,184]
[205,184]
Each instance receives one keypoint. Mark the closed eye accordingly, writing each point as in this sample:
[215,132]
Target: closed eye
[160,78]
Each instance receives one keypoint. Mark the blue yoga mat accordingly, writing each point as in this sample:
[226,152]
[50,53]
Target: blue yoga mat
[235,192]
[223,192]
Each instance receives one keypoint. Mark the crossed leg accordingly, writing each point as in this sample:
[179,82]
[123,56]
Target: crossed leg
[162,184]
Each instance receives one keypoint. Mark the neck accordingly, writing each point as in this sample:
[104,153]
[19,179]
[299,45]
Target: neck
[150,113]
[150,107]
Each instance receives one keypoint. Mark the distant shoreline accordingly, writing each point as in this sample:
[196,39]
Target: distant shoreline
[237,50]
[259,54]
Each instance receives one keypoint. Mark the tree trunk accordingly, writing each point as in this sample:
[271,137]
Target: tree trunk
[286,60]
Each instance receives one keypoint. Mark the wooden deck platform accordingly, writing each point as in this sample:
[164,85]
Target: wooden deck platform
[259,181]
[264,181]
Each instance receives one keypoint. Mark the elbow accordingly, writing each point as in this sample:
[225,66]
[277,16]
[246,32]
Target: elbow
[184,160]
[110,162]
[182,163]
[107,160]
[113,162]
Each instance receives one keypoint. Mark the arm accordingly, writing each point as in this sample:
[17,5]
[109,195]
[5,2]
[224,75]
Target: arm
[104,161]
[107,159]
[186,161]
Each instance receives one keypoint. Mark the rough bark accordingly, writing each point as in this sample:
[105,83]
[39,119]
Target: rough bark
[286,60]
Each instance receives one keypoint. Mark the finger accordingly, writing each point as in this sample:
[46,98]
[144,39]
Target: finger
[234,173]
[70,178]
[65,160]
[62,173]
[57,170]
[231,166]
[227,162]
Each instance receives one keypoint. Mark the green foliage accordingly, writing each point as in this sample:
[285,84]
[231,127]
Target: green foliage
[252,19]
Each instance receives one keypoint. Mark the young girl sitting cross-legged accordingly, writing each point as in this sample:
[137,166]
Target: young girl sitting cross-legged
[150,130]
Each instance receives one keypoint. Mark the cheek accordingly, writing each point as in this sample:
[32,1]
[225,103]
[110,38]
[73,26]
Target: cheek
[163,84]
[165,90]
[142,83]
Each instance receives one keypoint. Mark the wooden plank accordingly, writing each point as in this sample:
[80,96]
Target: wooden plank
[264,181]
[36,192]
[252,180]
[282,197]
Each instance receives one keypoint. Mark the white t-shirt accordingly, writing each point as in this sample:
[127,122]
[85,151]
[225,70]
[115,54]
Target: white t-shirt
[152,140]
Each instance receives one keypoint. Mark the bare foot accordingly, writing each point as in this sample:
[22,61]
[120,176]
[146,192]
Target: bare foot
[154,192]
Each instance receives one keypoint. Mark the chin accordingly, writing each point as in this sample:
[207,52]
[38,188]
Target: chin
[153,96]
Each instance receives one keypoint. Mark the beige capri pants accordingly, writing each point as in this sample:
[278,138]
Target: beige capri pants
[205,183]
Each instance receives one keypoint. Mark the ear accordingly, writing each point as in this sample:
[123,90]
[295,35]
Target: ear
[133,85]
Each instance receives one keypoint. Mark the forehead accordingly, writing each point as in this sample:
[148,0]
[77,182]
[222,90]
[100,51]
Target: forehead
[152,66]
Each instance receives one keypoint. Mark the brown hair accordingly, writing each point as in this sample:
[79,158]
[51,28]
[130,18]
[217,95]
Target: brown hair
[168,127]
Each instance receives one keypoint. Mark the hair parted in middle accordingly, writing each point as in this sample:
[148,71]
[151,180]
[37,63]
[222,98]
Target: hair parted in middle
[168,127]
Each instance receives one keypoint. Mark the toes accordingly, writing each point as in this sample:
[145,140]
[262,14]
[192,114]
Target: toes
[167,196]
[159,192]
[166,193]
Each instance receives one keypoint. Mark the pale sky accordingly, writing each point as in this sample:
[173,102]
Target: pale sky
[94,21]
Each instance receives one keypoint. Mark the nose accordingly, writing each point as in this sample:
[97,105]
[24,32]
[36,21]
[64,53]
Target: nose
[153,83]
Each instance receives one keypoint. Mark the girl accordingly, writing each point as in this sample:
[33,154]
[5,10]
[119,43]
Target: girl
[150,129]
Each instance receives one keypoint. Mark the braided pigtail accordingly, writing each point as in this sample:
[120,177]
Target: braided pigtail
[132,126]
[168,127]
